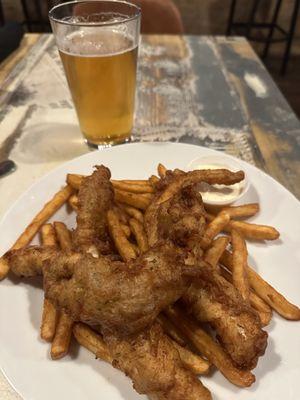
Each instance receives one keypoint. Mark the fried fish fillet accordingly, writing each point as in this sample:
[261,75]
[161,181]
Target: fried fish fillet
[122,297]
[154,365]
[28,262]
[174,183]
[95,198]
[214,300]
[177,213]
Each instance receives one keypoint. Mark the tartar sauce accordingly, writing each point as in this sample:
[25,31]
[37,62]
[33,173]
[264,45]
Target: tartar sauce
[219,194]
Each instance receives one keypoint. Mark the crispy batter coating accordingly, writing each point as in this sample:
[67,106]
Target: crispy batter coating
[212,299]
[28,262]
[122,297]
[181,218]
[177,200]
[154,366]
[95,197]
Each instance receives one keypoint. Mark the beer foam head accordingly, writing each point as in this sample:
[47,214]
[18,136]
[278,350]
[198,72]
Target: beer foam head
[97,41]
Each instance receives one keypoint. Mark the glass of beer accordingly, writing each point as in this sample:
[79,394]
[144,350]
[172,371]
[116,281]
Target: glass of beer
[98,45]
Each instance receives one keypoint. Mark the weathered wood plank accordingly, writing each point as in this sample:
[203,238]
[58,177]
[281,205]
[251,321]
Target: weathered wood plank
[274,128]
[14,58]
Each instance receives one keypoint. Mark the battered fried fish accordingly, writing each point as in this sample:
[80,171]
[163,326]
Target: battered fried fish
[214,300]
[154,366]
[121,297]
[95,197]
[177,213]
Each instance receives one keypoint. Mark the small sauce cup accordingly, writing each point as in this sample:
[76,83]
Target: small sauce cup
[220,195]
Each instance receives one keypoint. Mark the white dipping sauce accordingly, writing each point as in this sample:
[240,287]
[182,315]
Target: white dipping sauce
[214,194]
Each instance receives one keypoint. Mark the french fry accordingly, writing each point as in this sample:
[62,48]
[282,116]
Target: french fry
[141,182]
[153,180]
[48,235]
[132,212]
[123,246]
[138,231]
[140,201]
[249,230]
[63,235]
[209,348]
[92,341]
[171,329]
[61,342]
[261,307]
[244,211]
[214,252]
[126,230]
[121,213]
[47,211]
[161,170]
[73,202]
[192,361]
[75,180]
[253,231]
[49,316]
[214,228]
[136,249]
[239,264]
[265,291]
[132,187]
[49,321]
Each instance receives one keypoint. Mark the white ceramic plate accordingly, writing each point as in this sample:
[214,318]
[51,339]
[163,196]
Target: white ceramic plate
[25,358]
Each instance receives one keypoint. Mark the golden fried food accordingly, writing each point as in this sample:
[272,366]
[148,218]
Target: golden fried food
[113,294]
[239,264]
[132,212]
[216,226]
[95,198]
[214,300]
[262,308]
[209,348]
[50,314]
[48,210]
[243,211]
[138,231]
[92,341]
[63,333]
[154,365]
[181,219]
[213,254]
[62,338]
[28,262]
[171,253]
[270,295]
[119,238]
[253,231]
[137,200]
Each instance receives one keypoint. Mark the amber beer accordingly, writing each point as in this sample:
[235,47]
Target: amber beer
[101,73]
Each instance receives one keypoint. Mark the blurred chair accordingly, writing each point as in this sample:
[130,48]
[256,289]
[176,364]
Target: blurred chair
[11,34]
[36,14]
[160,16]
[1,14]
[272,26]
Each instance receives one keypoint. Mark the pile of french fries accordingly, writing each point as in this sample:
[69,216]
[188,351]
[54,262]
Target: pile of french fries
[225,247]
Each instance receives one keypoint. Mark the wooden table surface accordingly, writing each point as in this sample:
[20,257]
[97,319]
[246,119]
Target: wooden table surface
[210,91]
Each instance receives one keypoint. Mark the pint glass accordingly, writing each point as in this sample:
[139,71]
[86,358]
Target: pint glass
[98,46]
